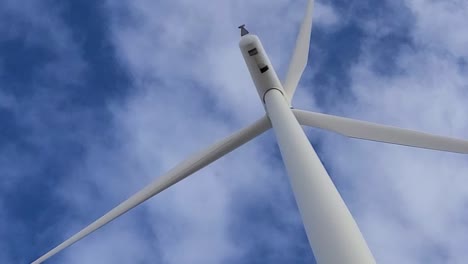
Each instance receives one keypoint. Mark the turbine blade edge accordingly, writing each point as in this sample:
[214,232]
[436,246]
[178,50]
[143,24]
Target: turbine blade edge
[181,171]
[381,133]
[301,53]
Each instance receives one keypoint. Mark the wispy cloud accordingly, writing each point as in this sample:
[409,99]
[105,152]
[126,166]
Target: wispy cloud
[43,129]
[189,87]
[410,204]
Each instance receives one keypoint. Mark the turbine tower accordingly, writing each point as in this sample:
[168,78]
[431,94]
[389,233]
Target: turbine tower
[331,230]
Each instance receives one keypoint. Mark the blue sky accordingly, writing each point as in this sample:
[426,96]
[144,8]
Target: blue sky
[98,99]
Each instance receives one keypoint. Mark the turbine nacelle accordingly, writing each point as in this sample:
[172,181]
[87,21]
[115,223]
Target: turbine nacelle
[261,70]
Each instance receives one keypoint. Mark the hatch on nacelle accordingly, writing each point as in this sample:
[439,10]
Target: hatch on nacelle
[261,65]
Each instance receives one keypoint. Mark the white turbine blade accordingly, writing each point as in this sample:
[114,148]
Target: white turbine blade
[184,169]
[376,132]
[332,232]
[300,55]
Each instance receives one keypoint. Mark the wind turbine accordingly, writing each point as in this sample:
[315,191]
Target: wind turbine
[331,230]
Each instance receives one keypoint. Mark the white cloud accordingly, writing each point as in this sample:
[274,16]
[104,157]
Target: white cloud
[441,25]
[325,15]
[189,78]
[34,26]
[33,118]
[39,26]
[410,204]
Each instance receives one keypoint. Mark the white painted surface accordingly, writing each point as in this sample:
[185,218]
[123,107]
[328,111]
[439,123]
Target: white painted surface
[300,55]
[263,81]
[332,232]
[382,133]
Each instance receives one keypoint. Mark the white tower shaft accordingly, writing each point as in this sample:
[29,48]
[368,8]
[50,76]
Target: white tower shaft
[332,232]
